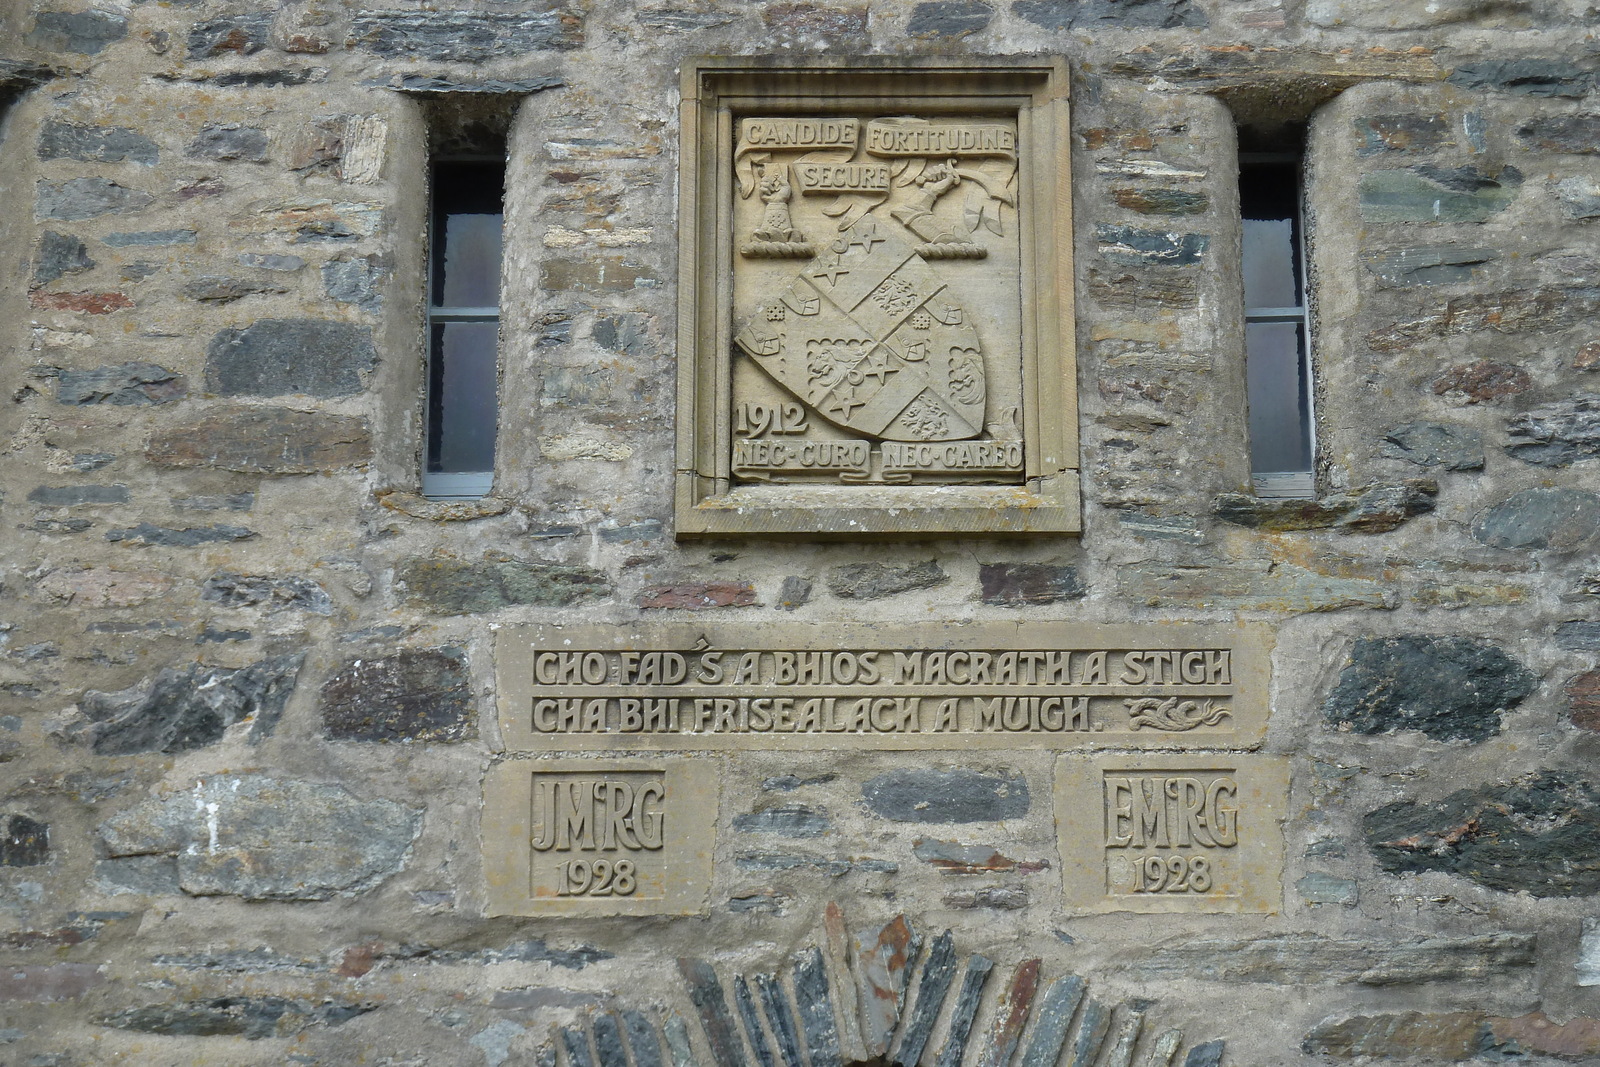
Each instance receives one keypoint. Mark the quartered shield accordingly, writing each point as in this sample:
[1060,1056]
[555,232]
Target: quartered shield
[867,334]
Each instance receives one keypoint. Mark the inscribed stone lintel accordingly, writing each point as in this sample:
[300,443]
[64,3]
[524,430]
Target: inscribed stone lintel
[1160,832]
[876,299]
[598,837]
[778,685]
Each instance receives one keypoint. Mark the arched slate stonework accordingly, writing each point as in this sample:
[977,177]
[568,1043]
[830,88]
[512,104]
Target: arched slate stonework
[876,1001]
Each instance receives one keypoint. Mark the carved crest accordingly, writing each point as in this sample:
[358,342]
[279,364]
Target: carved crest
[872,339]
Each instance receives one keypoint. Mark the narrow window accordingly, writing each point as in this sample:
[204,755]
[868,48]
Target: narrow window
[1277,334]
[463,327]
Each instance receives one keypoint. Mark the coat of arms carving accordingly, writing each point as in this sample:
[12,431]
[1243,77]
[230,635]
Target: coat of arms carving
[876,300]
[875,335]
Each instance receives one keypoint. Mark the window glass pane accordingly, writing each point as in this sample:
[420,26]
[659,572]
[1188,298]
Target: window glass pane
[1269,264]
[463,408]
[468,213]
[1279,397]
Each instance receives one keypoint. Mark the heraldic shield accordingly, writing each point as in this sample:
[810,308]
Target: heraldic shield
[867,334]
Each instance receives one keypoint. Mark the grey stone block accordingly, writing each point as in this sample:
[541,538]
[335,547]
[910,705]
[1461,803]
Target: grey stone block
[1450,688]
[420,694]
[276,357]
[85,198]
[925,795]
[84,32]
[265,838]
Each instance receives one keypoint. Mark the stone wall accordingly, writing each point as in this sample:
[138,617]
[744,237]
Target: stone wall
[247,671]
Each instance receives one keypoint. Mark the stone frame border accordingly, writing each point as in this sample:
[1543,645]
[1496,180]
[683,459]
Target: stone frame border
[707,503]
[1258,865]
[693,795]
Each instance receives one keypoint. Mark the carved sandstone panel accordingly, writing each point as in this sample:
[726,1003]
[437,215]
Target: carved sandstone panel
[566,837]
[874,296]
[944,686]
[1172,832]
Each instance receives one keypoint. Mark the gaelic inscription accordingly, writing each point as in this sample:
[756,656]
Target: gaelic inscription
[597,838]
[1172,832]
[953,686]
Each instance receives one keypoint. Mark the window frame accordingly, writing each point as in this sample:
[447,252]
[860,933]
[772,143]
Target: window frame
[455,485]
[1292,484]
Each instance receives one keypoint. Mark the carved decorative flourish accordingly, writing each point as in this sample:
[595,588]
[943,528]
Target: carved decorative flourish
[1174,713]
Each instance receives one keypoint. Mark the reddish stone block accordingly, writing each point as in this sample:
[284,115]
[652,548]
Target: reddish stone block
[697,596]
[88,303]
[1482,381]
[1583,700]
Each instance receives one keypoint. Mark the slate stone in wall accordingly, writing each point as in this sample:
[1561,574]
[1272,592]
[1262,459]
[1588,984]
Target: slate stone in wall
[791,821]
[249,1017]
[419,694]
[85,198]
[242,34]
[59,254]
[1405,132]
[1558,434]
[1578,635]
[24,842]
[872,581]
[68,496]
[275,357]
[1561,519]
[1155,200]
[1507,311]
[357,281]
[817,22]
[1539,834]
[1372,509]
[1110,14]
[190,708]
[147,533]
[1434,444]
[229,141]
[1579,197]
[628,333]
[1016,585]
[145,875]
[1450,688]
[1433,265]
[95,144]
[1130,246]
[1310,959]
[265,838]
[1576,134]
[795,592]
[1426,193]
[670,20]
[464,36]
[269,591]
[264,440]
[949,18]
[458,587]
[1527,77]
[925,795]
[220,289]
[84,32]
[150,237]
